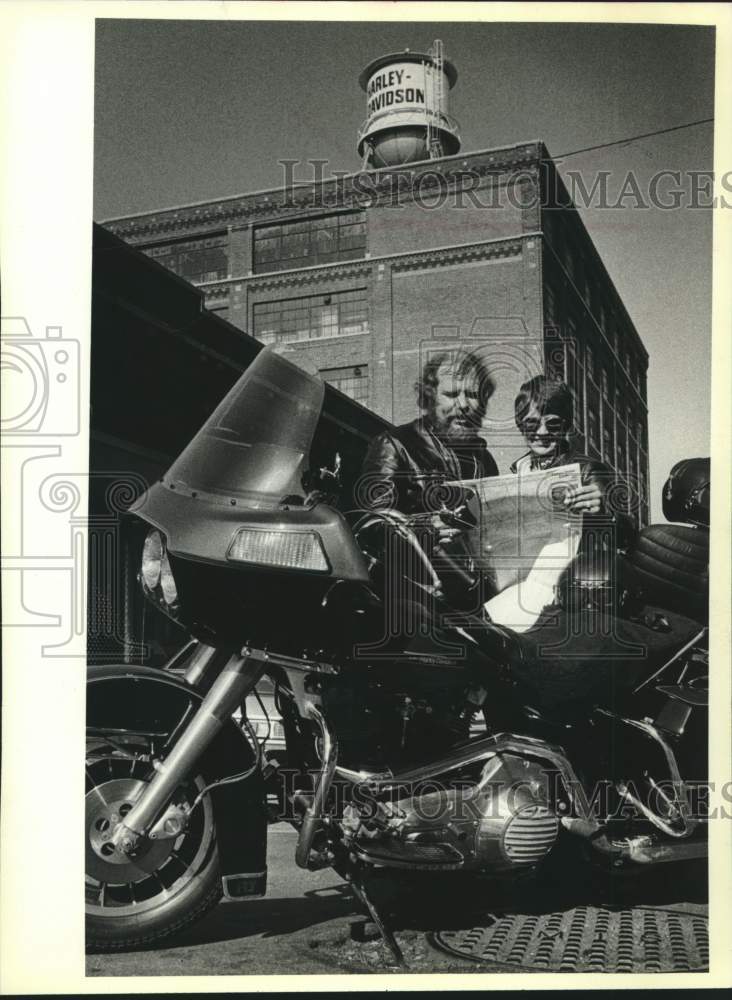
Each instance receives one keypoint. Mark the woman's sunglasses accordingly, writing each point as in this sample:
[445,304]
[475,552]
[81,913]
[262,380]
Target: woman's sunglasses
[552,425]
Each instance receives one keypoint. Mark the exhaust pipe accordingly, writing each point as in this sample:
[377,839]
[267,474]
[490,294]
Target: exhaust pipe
[476,752]
[642,850]
[314,814]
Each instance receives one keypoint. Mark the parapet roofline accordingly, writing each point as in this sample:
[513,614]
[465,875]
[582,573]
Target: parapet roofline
[305,184]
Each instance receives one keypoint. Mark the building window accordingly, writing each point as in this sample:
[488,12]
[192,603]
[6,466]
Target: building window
[593,436]
[306,242]
[589,362]
[567,259]
[354,382]
[314,317]
[642,387]
[602,316]
[195,260]
[641,433]
[621,455]
[608,444]
[574,378]
[578,423]
[605,384]
[593,419]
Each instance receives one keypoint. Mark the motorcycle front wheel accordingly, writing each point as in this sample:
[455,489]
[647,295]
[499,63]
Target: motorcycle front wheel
[165,885]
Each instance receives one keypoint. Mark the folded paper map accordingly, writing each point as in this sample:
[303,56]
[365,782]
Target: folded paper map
[525,535]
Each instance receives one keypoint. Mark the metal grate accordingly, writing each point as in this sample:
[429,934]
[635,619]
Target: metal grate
[587,939]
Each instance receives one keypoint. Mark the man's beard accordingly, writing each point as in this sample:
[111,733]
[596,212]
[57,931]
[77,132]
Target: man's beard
[454,429]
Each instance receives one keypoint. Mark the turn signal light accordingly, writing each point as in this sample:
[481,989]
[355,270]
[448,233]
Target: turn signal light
[284,549]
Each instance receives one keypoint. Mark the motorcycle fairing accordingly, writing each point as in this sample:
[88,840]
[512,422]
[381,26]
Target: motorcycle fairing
[201,529]
[244,469]
[126,698]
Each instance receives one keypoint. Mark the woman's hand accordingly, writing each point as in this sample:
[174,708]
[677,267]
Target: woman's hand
[588,497]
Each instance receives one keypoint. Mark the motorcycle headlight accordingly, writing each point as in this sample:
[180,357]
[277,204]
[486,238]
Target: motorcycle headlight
[167,582]
[277,548]
[152,559]
[157,576]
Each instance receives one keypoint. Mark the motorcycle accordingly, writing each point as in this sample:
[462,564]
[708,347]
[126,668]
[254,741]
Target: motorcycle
[377,694]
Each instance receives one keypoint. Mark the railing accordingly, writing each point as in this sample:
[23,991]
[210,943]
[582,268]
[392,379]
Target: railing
[443,121]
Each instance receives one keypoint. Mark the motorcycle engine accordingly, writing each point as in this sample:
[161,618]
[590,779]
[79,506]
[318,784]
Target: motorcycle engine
[394,721]
[499,823]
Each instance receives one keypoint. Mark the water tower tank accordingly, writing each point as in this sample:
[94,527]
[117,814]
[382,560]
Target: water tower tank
[406,104]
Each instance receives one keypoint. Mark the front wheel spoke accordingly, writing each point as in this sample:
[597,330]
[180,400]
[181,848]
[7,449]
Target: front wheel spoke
[180,861]
[163,887]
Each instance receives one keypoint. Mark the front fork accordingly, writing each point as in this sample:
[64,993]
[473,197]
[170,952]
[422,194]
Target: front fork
[228,691]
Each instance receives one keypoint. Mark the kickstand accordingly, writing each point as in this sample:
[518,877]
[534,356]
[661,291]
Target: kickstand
[384,930]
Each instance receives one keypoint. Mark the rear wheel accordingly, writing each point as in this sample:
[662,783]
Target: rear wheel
[164,885]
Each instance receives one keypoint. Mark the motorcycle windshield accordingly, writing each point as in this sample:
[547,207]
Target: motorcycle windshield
[255,446]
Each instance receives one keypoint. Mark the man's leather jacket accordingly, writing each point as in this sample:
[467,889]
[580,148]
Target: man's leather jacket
[405,467]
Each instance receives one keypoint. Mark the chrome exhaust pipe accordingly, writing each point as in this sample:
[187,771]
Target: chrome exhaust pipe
[476,752]
[644,851]
[314,814]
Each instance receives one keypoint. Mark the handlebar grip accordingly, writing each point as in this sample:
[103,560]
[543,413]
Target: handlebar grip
[447,562]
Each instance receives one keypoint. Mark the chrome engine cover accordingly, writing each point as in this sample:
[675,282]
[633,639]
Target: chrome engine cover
[499,823]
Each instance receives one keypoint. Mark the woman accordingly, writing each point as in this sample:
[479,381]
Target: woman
[543,409]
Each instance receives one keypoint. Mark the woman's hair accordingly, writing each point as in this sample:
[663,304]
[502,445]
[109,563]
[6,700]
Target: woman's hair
[464,365]
[547,395]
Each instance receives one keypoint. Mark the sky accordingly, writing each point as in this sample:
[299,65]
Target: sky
[192,111]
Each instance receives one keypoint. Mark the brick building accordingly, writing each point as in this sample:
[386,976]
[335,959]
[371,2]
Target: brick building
[361,276]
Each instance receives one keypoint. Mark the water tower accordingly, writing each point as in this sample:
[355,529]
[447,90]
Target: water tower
[406,103]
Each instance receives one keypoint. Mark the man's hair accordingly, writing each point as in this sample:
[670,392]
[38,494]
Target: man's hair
[548,395]
[465,364]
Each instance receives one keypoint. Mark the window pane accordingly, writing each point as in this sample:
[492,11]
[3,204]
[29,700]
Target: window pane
[354,382]
[339,314]
[305,242]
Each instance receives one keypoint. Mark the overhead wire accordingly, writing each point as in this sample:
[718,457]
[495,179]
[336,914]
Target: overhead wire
[634,138]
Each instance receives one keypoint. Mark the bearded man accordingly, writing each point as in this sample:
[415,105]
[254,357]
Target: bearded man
[404,467]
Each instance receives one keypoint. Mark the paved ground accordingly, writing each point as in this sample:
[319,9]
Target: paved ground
[304,926]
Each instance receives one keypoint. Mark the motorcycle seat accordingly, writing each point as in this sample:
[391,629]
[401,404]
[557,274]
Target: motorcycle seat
[668,566]
[569,663]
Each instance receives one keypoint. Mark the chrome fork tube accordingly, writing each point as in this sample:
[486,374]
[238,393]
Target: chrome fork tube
[203,662]
[314,814]
[227,692]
